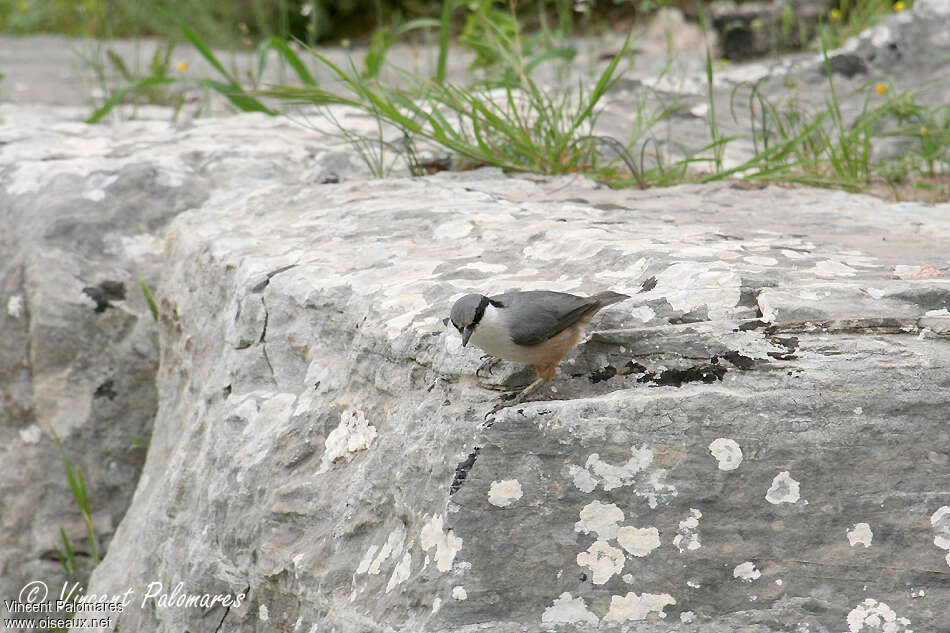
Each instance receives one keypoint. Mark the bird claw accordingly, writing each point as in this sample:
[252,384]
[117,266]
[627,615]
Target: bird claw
[489,363]
[495,409]
[510,399]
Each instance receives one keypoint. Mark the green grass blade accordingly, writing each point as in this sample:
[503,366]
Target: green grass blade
[208,54]
[445,33]
[90,532]
[83,499]
[149,300]
[121,93]
[69,558]
[243,101]
[282,48]
[119,64]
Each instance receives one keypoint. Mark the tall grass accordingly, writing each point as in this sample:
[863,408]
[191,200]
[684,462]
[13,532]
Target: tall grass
[509,119]
[77,484]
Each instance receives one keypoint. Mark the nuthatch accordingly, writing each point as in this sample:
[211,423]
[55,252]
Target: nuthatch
[537,327]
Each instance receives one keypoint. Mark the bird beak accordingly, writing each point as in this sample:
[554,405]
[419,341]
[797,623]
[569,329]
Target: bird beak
[467,334]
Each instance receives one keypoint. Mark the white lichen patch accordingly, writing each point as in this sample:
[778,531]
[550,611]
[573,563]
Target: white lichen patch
[603,560]
[727,452]
[636,470]
[601,518]
[638,541]
[352,435]
[784,489]
[583,479]
[446,544]
[436,605]
[688,285]
[643,313]
[746,571]
[459,593]
[504,493]
[31,434]
[872,616]
[860,534]
[391,547]
[401,572]
[568,610]
[610,476]
[687,617]
[367,559]
[262,613]
[875,293]
[634,607]
[15,306]
[687,538]
[940,521]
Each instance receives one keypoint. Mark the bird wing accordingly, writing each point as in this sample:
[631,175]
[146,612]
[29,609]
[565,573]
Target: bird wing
[542,314]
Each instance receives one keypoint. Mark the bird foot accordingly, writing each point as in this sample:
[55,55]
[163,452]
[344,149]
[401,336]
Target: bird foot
[510,399]
[489,362]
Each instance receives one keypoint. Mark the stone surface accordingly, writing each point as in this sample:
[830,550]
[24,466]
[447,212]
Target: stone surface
[314,413]
[756,442]
[754,29]
[84,209]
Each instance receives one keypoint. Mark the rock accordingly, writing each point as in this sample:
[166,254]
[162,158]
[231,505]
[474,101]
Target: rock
[321,459]
[84,209]
[753,29]
[754,442]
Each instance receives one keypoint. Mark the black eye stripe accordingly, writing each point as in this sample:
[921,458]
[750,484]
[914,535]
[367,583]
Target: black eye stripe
[480,311]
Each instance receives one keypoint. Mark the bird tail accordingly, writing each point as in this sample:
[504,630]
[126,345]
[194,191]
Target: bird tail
[608,297]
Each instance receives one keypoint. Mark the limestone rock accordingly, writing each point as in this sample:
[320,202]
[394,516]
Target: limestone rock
[775,318]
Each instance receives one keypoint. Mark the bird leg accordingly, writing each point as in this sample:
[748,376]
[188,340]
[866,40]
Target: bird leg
[544,374]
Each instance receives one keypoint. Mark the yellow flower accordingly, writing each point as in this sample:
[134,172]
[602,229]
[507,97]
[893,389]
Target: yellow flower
[834,15]
[181,67]
[881,88]
[899,6]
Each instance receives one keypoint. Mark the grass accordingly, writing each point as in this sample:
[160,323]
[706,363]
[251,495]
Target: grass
[150,300]
[850,17]
[508,121]
[77,484]
[511,120]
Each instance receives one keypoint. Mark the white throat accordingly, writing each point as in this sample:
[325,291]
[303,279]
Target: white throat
[492,335]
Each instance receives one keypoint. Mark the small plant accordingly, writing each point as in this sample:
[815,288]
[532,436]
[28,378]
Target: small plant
[153,308]
[851,17]
[518,126]
[501,48]
[77,485]
[230,88]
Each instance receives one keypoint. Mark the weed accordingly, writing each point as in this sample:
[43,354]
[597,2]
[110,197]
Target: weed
[77,485]
[149,300]
[851,17]
[517,126]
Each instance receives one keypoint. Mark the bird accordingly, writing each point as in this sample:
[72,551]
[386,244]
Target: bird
[536,327]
